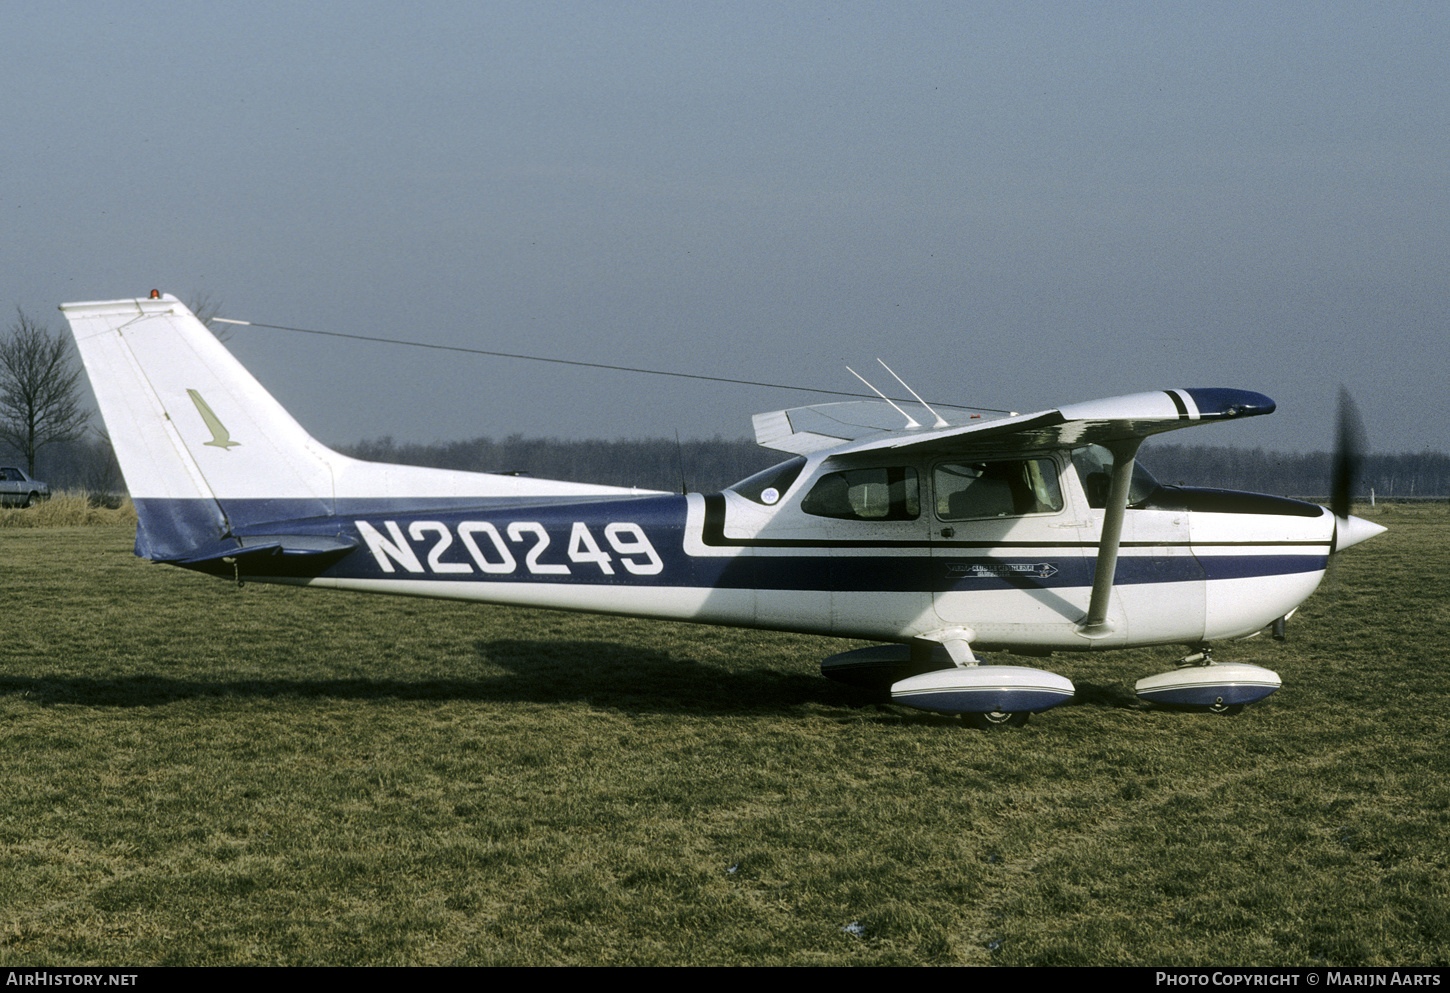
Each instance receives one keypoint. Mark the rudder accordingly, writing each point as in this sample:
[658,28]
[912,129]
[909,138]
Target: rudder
[202,445]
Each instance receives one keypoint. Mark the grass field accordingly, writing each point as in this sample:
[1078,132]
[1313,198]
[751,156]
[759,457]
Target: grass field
[196,774]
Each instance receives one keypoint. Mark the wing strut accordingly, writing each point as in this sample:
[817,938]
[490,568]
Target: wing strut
[1095,624]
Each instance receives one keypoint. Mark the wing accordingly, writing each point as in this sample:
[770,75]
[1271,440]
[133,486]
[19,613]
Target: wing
[1119,424]
[870,425]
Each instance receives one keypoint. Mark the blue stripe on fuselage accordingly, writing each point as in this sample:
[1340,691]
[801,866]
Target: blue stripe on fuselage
[640,541]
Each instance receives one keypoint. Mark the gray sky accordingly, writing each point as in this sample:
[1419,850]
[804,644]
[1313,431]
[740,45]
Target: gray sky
[1014,205]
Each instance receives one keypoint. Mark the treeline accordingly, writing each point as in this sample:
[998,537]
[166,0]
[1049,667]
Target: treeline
[712,464]
[647,463]
[85,464]
[1403,476]
[657,463]
[703,466]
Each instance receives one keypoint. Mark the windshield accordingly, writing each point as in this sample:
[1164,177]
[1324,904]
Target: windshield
[1094,465]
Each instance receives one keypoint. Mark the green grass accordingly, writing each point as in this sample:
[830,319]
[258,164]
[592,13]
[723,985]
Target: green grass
[196,774]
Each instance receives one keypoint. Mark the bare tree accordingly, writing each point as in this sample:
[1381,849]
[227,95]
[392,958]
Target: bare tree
[206,310]
[99,472]
[40,389]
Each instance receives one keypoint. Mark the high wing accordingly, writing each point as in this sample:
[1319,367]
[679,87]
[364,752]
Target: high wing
[1120,424]
[857,427]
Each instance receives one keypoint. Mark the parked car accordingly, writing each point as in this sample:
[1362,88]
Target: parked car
[19,490]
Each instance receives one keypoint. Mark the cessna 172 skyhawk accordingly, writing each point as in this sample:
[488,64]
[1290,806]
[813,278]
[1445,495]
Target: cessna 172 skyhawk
[1032,533]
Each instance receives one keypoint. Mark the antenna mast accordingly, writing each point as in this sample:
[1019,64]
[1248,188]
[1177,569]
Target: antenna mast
[911,422]
[940,421]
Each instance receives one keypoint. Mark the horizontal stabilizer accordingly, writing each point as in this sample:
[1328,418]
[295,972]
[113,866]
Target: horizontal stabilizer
[315,548]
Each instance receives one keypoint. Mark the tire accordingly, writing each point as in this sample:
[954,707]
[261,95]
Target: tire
[1226,709]
[995,720]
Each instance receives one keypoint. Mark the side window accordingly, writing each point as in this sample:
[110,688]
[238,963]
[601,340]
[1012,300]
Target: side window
[886,494]
[769,486]
[966,490]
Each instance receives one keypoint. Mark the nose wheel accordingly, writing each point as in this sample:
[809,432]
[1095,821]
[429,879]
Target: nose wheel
[1227,709]
[1201,684]
[995,719]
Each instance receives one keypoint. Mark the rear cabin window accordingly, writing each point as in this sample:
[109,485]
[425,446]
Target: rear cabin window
[966,490]
[884,494]
[769,486]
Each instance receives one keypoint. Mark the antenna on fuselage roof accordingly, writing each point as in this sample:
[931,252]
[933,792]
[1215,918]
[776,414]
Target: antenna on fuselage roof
[940,420]
[911,422]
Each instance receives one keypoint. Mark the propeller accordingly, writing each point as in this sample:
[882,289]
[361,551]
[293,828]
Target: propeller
[1348,455]
[1349,445]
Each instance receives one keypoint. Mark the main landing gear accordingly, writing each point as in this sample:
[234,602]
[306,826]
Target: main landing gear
[986,696]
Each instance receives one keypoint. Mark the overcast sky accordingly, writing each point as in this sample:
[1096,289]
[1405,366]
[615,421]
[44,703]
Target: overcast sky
[1015,205]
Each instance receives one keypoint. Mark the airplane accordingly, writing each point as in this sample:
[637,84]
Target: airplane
[1027,534]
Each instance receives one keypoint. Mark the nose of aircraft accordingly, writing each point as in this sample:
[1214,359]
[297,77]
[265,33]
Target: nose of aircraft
[1350,530]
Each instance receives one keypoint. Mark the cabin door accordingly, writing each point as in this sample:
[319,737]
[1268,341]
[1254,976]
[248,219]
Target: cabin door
[1007,550]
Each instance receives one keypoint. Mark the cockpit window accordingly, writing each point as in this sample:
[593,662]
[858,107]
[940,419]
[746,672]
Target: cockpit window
[884,494]
[1094,465]
[769,485]
[967,490]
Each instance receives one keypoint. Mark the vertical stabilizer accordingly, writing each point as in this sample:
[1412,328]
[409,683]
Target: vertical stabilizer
[197,437]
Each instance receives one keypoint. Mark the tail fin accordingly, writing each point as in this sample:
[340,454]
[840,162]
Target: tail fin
[192,430]
[208,453]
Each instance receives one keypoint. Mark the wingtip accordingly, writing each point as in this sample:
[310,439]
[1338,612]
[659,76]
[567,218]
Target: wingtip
[1224,402]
